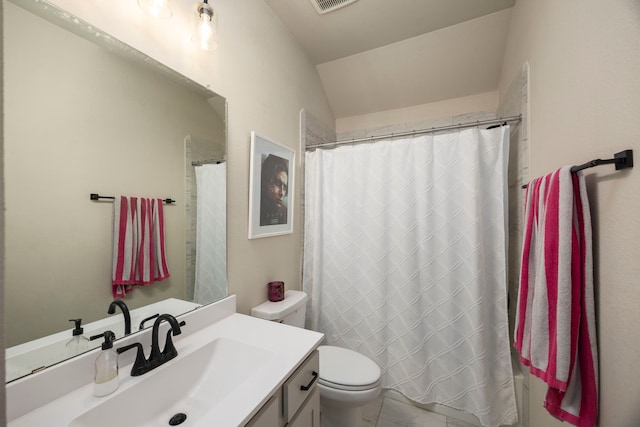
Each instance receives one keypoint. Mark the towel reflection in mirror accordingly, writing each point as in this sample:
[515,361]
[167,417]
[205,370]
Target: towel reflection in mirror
[138,244]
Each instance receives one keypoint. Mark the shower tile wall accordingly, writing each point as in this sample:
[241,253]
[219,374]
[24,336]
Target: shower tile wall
[313,131]
[514,102]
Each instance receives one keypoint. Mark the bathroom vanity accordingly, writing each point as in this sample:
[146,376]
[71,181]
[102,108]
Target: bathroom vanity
[231,370]
[297,402]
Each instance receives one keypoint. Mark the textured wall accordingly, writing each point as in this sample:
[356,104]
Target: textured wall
[584,100]
[514,102]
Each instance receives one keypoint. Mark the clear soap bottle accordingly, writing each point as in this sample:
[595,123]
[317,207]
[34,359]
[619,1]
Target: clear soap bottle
[106,374]
[78,343]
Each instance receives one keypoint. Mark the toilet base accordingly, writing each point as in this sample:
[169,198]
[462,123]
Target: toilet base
[331,416]
[340,408]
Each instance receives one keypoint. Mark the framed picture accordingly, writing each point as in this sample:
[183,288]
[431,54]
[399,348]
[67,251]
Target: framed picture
[270,188]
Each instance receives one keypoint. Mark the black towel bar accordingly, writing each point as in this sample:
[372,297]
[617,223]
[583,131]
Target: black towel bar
[622,160]
[96,196]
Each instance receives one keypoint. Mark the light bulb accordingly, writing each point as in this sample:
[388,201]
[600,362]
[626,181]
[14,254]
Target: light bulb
[205,33]
[205,26]
[156,8]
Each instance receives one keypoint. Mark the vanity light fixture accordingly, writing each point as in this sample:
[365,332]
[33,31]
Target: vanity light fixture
[156,8]
[205,26]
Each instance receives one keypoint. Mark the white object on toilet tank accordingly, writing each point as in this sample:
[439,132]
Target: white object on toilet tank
[290,311]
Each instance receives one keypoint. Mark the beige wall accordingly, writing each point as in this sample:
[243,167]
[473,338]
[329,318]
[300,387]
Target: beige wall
[266,79]
[452,62]
[584,103]
[487,101]
[3,411]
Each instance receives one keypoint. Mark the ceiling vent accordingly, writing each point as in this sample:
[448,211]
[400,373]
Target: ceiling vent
[326,6]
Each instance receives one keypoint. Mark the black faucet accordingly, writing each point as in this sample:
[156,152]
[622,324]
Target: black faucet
[156,358]
[141,365]
[125,312]
[169,351]
[141,327]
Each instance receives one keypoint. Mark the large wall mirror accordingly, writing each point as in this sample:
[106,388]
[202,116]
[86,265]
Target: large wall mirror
[86,114]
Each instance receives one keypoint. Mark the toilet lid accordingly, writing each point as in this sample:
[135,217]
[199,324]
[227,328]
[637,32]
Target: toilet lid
[346,369]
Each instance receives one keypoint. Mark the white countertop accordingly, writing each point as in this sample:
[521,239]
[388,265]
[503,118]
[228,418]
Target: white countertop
[288,345]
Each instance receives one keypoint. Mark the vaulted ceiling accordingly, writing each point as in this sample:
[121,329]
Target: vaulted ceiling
[378,55]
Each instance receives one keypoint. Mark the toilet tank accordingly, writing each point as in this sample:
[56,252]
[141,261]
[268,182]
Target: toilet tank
[290,311]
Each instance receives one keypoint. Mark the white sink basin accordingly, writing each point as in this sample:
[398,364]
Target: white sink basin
[192,385]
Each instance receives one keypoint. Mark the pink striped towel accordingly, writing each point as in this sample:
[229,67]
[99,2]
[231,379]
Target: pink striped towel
[138,244]
[555,322]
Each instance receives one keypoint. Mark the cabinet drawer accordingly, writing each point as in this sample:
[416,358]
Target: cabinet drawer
[309,415]
[300,385]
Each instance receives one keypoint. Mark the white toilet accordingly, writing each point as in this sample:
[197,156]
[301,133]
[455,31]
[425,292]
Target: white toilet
[347,379]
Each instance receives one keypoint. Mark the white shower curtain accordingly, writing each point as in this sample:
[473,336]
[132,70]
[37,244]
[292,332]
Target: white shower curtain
[211,234]
[404,261]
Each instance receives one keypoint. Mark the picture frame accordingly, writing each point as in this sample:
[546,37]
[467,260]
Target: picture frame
[271,179]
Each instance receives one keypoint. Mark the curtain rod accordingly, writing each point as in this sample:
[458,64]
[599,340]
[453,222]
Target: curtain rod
[501,120]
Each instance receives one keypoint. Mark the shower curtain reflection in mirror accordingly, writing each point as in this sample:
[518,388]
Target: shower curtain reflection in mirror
[211,239]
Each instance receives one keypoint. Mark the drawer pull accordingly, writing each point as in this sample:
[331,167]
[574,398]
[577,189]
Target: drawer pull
[313,380]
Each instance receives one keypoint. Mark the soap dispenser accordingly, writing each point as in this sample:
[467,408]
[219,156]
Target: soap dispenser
[106,375]
[78,343]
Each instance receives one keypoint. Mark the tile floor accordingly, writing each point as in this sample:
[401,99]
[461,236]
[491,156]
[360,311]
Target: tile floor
[388,412]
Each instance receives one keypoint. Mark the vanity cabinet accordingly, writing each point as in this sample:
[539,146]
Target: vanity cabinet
[297,403]
[309,414]
[269,414]
[299,394]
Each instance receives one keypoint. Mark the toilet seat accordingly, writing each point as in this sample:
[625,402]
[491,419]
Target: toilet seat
[335,386]
[345,369]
